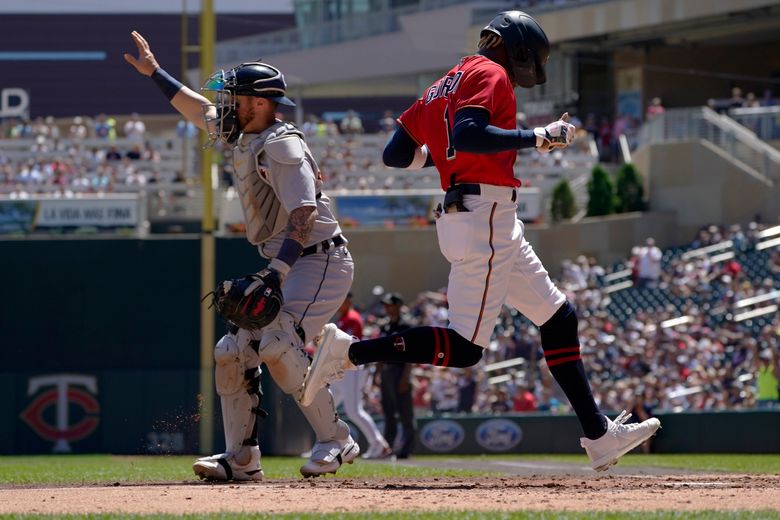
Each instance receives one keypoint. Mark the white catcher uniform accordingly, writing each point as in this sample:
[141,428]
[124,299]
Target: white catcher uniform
[274,173]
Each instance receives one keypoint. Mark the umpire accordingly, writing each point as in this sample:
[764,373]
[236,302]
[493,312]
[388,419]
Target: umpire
[396,382]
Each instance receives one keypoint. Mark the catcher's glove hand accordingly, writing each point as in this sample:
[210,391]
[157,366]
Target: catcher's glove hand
[251,302]
[558,134]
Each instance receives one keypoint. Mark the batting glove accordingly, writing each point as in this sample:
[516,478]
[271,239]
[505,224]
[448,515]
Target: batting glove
[558,134]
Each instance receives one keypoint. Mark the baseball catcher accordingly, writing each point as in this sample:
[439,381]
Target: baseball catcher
[270,314]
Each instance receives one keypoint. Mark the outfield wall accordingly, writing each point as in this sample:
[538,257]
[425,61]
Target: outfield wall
[100,353]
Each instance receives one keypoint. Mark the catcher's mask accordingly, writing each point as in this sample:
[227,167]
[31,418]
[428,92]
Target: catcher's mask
[248,79]
[526,44]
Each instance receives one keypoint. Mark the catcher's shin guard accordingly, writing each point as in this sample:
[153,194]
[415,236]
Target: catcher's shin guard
[239,391]
[281,349]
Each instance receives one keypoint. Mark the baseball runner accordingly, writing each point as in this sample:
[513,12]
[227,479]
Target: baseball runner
[290,221]
[464,124]
[349,391]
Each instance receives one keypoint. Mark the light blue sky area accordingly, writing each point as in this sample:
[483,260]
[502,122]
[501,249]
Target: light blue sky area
[141,6]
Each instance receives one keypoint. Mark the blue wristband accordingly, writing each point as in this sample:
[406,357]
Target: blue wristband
[290,251]
[169,85]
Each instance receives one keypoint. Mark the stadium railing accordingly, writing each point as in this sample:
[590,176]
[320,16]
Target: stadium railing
[740,143]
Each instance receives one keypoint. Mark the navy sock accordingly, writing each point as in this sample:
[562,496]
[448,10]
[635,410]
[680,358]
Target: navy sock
[561,346]
[432,345]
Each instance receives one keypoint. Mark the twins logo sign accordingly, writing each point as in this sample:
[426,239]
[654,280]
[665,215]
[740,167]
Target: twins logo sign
[62,396]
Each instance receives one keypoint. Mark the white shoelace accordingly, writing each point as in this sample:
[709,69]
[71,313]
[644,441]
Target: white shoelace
[622,418]
[620,422]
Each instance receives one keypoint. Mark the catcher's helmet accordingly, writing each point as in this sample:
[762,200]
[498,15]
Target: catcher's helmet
[248,79]
[526,46]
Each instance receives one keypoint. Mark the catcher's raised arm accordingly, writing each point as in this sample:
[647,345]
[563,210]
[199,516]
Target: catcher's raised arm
[189,103]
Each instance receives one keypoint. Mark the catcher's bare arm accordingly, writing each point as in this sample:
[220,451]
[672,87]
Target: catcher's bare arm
[188,102]
[301,223]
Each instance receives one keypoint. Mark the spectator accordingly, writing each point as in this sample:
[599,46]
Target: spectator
[648,265]
[768,379]
[768,100]
[388,123]
[113,154]
[751,101]
[135,129]
[524,400]
[605,139]
[134,154]
[591,125]
[736,100]
[351,124]
[101,128]
[309,127]
[654,108]
[185,129]
[77,130]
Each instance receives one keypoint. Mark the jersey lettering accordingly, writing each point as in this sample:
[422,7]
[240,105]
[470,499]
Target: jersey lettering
[446,86]
[448,126]
[475,82]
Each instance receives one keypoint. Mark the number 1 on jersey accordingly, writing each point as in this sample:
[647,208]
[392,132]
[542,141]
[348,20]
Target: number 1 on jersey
[450,144]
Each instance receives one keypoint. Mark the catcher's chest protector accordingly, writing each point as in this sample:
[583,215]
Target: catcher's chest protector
[264,215]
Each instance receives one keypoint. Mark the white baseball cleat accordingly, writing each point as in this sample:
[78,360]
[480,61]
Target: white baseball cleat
[223,467]
[327,457]
[619,440]
[329,364]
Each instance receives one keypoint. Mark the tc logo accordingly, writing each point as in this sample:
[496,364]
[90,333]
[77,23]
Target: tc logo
[63,395]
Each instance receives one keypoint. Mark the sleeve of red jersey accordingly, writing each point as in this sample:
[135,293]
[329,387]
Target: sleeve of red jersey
[482,87]
[409,121]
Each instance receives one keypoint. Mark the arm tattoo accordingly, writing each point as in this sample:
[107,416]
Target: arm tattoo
[301,223]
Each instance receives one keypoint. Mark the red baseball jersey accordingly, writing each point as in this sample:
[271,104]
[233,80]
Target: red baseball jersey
[351,323]
[475,82]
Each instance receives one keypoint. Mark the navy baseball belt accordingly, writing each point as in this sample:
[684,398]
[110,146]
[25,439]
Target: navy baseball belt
[325,245]
[453,199]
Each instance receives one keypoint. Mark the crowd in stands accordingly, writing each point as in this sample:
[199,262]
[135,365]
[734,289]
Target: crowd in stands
[737,100]
[636,357]
[99,155]
[88,155]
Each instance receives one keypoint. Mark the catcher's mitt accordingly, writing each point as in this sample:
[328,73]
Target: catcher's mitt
[251,302]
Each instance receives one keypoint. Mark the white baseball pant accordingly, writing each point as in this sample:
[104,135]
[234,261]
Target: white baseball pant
[491,263]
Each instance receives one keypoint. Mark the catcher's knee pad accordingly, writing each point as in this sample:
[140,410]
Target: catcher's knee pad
[281,349]
[228,365]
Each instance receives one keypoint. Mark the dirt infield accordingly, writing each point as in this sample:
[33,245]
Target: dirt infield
[565,492]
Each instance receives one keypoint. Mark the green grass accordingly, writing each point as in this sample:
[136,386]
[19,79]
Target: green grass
[734,463]
[108,469]
[442,515]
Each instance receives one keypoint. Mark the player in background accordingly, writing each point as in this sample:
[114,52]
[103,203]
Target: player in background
[349,391]
[465,125]
[290,221]
[397,382]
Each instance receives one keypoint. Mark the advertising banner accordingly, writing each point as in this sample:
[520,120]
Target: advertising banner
[46,214]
